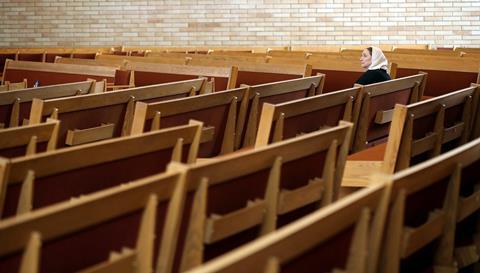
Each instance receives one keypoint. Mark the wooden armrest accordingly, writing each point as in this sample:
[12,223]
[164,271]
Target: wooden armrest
[383,117]
[416,238]
[290,200]
[77,137]
[220,227]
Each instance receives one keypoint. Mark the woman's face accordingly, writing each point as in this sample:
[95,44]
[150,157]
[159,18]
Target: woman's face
[365,59]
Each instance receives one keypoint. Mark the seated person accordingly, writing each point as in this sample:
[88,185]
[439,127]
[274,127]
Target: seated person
[373,60]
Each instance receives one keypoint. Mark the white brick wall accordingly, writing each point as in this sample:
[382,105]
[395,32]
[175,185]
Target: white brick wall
[34,23]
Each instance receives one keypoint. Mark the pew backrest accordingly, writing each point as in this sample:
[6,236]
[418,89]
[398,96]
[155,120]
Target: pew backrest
[99,116]
[15,105]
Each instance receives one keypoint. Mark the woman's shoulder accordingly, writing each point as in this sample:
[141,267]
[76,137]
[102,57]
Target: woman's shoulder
[374,76]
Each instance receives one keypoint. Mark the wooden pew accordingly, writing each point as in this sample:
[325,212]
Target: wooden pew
[153,73]
[445,74]
[290,119]
[166,59]
[418,132]
[259,190]
[124,226]
[221,110]
[174,186]
[276,92]
[30,55]
[51,73]
[10,86]
[117,63]
[254,74]
[15,105]
[378,101]
[65,173]
[226,111]
[29,139]
[99,116]
[340,73]
[434,216]
[336,238]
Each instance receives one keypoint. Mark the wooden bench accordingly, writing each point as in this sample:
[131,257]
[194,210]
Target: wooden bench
[255,74]
[432,221]
[340,73]
[276,92]
[290,119]
[39,180]
[445,74]
[227,111]
[248,194]
[52,73]
[121,226]
[418,132]
[167,59]
[15,105]
[99,116]
[378,101]
[178,184]
[153,73]
[336,238]
[110,63]
[220,110]
[29,139]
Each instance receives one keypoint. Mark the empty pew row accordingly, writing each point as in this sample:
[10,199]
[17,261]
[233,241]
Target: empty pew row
[50,74]
[246,72]
[148,73]
[408,222]
[43,179]
[15,105]
[95,117]
[234,113]
[170,204]
[418,131]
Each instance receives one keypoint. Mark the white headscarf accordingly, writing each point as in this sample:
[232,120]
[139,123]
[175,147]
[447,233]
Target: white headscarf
[378,60]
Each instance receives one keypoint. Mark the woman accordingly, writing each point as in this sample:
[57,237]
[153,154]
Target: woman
[373,60]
